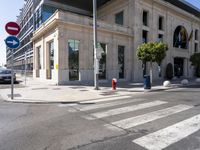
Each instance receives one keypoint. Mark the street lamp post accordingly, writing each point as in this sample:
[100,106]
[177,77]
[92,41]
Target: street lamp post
[96,60]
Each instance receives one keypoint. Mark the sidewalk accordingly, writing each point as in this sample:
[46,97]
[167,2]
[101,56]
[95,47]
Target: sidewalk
[37,91]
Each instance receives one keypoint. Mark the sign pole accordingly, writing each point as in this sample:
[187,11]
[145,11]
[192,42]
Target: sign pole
[12,42]
[12,77]
[96,61]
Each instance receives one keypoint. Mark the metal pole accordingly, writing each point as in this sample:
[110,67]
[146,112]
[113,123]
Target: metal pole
[12,73]
[25,69]
[96,61]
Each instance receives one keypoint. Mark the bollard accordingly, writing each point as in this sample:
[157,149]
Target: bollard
[114,83]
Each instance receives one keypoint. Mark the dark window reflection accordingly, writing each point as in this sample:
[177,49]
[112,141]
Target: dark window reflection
[119,18]
[51,52]
[121,61]
[73,46]
[144,36]
[145,18]
[180,37]
[102,62]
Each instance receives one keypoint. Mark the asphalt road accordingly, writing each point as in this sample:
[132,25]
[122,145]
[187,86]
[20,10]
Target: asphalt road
[156,120]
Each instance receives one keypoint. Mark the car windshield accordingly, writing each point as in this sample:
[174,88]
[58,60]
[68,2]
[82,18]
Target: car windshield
[5,71]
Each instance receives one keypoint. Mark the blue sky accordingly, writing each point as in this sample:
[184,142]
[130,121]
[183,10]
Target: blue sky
[9,9]
[196,3]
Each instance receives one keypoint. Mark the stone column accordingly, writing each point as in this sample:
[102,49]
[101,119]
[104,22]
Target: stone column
[61,56]
[185,69]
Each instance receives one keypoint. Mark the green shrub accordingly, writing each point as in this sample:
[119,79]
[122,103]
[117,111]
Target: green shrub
[169,71]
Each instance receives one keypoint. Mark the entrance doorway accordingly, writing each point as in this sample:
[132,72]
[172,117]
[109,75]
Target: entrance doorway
[178,67]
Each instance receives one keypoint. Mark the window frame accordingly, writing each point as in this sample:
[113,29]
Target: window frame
[161,24]
[196,34]
[119,14]
[147,18]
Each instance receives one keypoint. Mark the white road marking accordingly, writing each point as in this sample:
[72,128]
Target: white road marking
[138,120]
[106,99]
[104,105]
[126,109]
[66,105]
[13,28]
[170,135]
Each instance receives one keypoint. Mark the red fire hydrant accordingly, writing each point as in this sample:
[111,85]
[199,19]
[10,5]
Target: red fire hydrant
[114,84]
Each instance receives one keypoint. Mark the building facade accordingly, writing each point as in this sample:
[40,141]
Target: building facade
[30,18]
[63,45]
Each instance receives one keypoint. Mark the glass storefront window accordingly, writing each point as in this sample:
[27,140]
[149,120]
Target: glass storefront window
[180,38]
[102,62]
[51,54]
[73,49]
[47,12]
[121,61]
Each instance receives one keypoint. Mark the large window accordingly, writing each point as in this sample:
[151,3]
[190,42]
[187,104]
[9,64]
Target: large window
[51,54]
[73,47]
[38,17]
[160,23]
[145,18]
[196,34]
[181,37]
[42,14]
[47,12]
[144,36]
[196,47]
[121,61]
[119,18]
[160,37]
[102,62]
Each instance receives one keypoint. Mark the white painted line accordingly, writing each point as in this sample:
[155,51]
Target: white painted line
[66,105]
[106,99]
[104,105]
[138,120]
[126,109]
[170,135]
[12,28]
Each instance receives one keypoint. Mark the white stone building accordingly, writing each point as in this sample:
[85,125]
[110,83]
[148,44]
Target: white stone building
[63,45]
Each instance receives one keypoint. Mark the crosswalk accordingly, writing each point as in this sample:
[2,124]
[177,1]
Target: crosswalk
[157,109]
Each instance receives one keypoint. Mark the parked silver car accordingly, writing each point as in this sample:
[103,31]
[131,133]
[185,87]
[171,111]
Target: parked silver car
[5,75]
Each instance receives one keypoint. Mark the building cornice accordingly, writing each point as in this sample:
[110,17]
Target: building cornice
[86,22]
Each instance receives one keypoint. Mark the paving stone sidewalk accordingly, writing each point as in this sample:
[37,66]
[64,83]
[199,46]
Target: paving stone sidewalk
[36,91]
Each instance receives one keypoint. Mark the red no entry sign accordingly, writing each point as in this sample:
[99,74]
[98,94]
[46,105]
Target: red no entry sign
[12,28]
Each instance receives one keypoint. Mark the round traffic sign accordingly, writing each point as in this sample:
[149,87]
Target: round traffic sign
[12,28]
[12,42]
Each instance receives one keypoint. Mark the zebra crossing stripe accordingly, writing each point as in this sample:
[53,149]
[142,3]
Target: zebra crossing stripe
[104,105]
[106,99]
[170,135]
[138,120]
[125,109]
